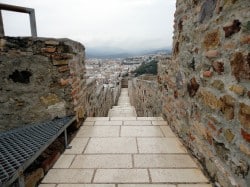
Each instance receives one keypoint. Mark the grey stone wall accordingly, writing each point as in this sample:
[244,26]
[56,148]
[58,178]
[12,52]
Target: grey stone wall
[41,79]
[206,86]
[100,98]
[145,96]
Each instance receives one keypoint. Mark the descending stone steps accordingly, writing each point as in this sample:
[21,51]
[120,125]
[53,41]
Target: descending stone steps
[124,108]
[125,151]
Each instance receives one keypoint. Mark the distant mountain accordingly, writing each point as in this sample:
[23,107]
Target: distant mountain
[109,52]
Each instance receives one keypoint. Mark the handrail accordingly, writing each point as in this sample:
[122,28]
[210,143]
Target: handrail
[13,8]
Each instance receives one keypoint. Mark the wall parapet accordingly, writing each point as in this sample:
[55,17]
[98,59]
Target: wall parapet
[101,98]
[145,96]
[41,79]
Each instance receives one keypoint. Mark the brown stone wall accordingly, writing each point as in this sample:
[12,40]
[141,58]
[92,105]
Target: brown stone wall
[40,79]
[205,87]
[100,98]
[145,96]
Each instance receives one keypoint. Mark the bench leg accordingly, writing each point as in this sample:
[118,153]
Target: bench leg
[66,140]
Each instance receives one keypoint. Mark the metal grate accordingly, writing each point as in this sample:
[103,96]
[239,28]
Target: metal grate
[20,147]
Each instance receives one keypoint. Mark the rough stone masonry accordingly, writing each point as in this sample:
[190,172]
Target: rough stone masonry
[43,78]
[206,85]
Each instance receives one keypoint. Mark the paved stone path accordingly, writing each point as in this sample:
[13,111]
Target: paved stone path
[125,151]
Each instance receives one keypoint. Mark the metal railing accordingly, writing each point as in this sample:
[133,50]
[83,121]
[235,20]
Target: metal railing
[13,8]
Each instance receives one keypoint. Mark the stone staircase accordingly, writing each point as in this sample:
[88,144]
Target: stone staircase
[123,109]
[123,150]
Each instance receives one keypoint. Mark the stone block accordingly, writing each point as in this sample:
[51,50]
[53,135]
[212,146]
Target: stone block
[227,109]
[245,149]
[51,42]
[160,145]
[177,176]
[163,161]
[218,84]
[192,87]
[210,100]
[50,161]
[244,115]
[64,82]
[229,46]
[33,179]
[232,28]
[212,54]
[60,62]
[98,131]
[68,176]
[64,161]
[240,66]
[245,135]
[102,161]
[238,89]
[141,131]
[121,176]
[218,67]
[62,56]
[207,74]
[119,145]
[62,69]
[212,39]
[48,50]
[49,100]
[229,135]
[78,145]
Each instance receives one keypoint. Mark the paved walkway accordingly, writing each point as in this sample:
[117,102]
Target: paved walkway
[125,151]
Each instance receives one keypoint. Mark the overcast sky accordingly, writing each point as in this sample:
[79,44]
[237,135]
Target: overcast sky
[124,24]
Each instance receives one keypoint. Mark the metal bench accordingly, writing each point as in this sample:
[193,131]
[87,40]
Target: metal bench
[20,147]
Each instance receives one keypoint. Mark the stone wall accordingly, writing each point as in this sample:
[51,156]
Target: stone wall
[206,86]
[40,79]
[101,98]
[145,96]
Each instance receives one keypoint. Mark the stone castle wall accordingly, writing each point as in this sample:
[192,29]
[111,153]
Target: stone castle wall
[40,79]
[206,86]
[100,98]
[44,78]
[145,96]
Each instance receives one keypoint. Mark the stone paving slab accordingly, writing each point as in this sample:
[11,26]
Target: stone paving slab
[112,145]
[150,118]
[86,185]
[98,131]
[64,161]
[167,131]
[177,175]
[160,123]
[97,119]
[108,123]
[47,185]
[102,161]
[163,161]
[78,145]
[87,123]
[69,176]
[146,185]
[122,118]
[141,131]
[160,145]
[145,123]
[121,176]
[194,185]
